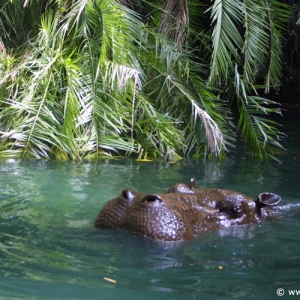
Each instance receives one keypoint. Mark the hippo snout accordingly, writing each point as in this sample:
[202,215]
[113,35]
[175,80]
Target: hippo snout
[114,211]
[152,218]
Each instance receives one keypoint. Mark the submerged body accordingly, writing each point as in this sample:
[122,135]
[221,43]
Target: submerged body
[183,211]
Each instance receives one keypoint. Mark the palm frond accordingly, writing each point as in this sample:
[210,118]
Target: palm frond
[256,46]
[87,79]
[259,133]
[226,38]
[214,137]
[277,15]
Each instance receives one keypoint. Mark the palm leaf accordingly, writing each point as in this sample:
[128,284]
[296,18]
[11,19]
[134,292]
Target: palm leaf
[278,14]
[226,39]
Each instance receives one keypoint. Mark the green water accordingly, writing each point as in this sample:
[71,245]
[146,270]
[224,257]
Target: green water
[50,250]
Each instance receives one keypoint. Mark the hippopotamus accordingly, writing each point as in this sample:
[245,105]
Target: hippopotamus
[184,211]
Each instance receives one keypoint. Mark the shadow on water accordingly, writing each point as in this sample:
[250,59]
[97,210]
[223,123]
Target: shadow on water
[50,250]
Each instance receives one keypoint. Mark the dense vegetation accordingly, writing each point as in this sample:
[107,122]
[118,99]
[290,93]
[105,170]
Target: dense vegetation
[95,78]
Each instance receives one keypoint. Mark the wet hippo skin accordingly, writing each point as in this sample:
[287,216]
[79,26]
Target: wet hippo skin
[183,211]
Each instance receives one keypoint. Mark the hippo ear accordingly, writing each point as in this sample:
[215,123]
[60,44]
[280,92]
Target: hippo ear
[128,194]
[151,198]
[268,199]
[192,183]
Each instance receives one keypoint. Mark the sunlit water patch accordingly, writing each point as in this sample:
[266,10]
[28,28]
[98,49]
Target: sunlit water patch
[50,250]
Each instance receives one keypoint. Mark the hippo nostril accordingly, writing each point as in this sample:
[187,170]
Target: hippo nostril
[151,198]
[128,194]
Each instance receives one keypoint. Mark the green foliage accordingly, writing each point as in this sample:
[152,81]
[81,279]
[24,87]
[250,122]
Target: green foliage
[246,48]
[92,78]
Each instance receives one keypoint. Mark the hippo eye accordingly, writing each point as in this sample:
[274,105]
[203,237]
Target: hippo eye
[151,198]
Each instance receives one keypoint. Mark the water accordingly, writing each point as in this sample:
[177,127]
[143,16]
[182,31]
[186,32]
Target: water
[50,250]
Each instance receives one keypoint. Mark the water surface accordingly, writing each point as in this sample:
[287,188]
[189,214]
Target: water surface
[50,250]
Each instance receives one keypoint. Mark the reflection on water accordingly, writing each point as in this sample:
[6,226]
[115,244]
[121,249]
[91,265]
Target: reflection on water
[50,250]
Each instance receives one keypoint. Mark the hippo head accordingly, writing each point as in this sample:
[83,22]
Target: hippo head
[183,211]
